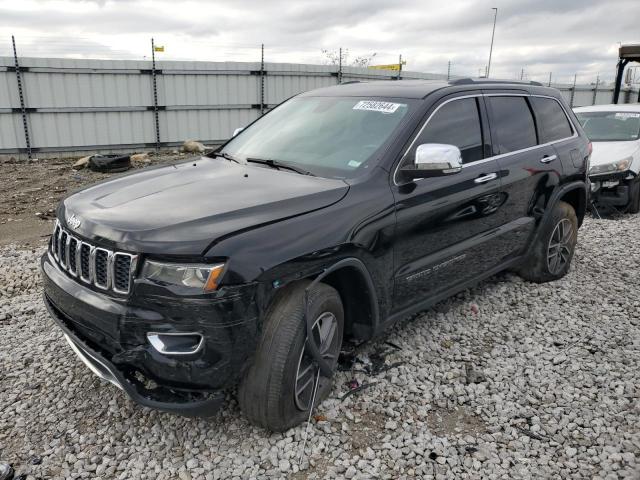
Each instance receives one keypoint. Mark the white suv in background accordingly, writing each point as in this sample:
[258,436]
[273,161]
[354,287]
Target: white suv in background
[614,131]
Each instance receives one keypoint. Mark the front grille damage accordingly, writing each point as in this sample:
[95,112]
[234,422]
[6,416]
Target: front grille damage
[105,269]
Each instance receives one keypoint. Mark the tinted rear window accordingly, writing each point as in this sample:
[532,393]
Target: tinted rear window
[512,123]
[552,119]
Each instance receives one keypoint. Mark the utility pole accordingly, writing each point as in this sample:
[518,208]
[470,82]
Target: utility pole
[521,74]
[549,84]
[595,90]
[399,66]
[493,33]
[573,90]
[340,67]
[449,70]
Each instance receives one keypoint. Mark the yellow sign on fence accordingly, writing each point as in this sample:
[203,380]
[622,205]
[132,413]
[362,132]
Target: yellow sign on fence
[393,66]
[159,48]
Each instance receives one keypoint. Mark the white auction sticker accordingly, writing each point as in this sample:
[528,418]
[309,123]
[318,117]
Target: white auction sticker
[375,106]
[627,115]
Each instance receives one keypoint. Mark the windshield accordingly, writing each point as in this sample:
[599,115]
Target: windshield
[610,126]
[326,136]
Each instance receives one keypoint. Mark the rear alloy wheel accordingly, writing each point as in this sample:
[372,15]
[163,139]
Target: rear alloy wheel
[550,255]
[560,247]
[277,391]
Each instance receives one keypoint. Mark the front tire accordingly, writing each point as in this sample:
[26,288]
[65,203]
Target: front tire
[277,389]
[634,196]
[551,253]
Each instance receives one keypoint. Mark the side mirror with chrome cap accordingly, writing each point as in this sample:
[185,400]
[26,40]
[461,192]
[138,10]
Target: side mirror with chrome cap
[434,160]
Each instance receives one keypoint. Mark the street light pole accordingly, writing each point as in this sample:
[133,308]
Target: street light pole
[493,33]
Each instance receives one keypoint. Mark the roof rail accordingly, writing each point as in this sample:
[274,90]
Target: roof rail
[470,81]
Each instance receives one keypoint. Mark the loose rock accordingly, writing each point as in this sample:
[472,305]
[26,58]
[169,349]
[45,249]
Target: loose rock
[81,163]
[191,146]
[140,158]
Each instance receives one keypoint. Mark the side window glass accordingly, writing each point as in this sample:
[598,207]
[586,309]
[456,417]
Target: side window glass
[554,122]
[455,123]
[512,122]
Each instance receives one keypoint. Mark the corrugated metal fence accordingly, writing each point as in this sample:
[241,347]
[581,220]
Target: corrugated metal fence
[73,106]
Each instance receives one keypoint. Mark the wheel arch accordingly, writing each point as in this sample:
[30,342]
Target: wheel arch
[576,196]
[354,283]
[351,278]
[574,193]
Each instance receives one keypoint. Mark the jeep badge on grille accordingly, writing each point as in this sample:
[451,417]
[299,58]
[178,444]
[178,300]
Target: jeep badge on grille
[73,221]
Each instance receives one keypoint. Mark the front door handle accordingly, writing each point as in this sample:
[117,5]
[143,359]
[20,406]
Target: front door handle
[486,178]
[548,158]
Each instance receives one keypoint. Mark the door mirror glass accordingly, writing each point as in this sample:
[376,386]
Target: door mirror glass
[434,160]
[237,131]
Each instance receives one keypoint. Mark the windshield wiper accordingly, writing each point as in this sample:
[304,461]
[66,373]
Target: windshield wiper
[226,156]
[278,165]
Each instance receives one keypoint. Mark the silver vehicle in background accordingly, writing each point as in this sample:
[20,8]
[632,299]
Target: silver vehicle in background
[614,131]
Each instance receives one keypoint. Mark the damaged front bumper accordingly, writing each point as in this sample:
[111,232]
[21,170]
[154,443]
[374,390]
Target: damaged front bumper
[113,337]
[612,189]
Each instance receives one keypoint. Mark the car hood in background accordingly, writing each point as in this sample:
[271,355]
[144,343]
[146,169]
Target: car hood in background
[181,209]
[608,152]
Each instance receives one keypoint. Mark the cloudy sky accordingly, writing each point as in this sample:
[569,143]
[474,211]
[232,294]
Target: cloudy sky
[534,36]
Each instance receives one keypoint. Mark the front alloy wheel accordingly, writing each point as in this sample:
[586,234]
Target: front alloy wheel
[324,333]
[277,391]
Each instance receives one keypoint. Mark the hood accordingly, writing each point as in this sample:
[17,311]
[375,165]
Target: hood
[181,209]
[607,152]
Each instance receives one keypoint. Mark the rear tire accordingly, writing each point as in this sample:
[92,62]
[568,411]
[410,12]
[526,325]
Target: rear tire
[550,255]
[281,367]
[634,196]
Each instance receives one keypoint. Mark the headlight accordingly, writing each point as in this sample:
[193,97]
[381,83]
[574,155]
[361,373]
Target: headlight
[201,276]
[619,166]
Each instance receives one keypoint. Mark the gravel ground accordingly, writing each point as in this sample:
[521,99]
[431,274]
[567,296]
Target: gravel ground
[506,380]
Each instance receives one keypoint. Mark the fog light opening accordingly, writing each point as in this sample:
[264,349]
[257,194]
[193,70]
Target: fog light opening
[186,343]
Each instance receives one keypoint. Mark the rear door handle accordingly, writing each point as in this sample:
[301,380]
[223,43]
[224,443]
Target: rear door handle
[548,158]
[486,178]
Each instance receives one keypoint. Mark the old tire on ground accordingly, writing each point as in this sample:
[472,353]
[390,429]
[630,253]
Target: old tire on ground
[110,163]
[550,255]
[271,394]
[634,196]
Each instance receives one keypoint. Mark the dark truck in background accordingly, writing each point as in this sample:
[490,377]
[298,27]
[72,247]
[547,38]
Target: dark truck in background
[341,211]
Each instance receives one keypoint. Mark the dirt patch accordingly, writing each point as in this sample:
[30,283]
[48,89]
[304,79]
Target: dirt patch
[445,423]
[367,431]
[317,470]
[31,191]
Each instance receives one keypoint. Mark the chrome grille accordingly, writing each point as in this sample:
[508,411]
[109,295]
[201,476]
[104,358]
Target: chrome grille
[85,262]
[105,269]
[121,272]
[63,250]
[73,256]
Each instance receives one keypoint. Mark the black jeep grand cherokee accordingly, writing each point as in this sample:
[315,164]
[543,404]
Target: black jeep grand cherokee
[338,213]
